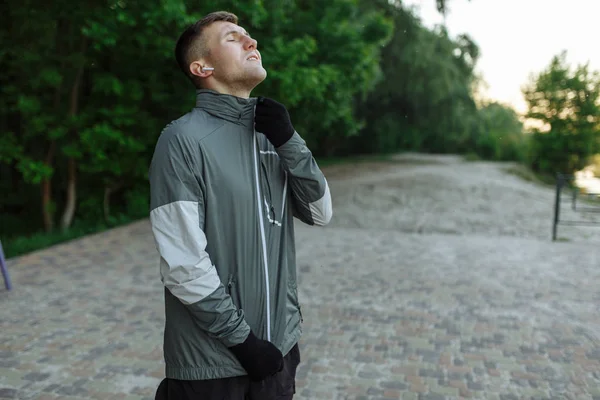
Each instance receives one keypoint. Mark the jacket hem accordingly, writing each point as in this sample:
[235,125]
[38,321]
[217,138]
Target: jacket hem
[291,341]
[204,373]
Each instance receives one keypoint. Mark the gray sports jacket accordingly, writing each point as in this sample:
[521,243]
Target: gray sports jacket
[222,206]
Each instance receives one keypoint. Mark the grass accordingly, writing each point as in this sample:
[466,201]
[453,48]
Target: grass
[24,244]
[472,157]
[528,175]
[330,161]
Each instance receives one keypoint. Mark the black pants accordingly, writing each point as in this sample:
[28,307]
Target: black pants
[281,386]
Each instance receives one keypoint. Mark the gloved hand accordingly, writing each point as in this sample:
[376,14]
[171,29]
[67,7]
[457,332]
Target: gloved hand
[259,358]
[273,120]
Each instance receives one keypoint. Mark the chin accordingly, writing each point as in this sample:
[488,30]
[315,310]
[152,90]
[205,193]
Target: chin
[258,76]
[261,73]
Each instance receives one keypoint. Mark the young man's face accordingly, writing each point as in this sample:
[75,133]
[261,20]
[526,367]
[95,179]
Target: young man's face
[234,56]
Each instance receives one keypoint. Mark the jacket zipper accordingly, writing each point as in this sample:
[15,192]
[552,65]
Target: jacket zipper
[284,195]
[270,205]
[230,289]
[230,283]
[262,234]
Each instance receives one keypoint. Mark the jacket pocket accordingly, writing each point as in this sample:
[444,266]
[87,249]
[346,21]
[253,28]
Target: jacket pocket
[232,291]
[293,298]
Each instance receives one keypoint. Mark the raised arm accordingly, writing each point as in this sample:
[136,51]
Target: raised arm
[311,197]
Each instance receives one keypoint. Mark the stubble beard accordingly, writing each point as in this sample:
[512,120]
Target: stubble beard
[249,80]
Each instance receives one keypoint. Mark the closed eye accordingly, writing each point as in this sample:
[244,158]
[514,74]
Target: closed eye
[233,36]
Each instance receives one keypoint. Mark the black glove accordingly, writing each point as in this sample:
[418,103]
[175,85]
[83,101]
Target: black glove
[259,358]
[273,120]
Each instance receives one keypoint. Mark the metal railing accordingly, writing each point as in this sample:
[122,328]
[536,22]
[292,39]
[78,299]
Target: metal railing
[564,181]
[4,269]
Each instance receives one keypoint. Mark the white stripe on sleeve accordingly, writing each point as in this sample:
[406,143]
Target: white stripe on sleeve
[186,268]
[321,210]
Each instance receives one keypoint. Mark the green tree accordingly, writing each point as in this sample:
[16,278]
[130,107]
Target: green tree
[80,93]
[565,102]
[424,100]
[502,138]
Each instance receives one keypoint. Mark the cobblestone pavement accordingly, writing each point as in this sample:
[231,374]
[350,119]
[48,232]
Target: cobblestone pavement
[388,315]
[397,316]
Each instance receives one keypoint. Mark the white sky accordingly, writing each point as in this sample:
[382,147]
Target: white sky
[517,37]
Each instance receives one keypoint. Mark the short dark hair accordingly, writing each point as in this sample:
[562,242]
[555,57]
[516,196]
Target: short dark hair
[190,45]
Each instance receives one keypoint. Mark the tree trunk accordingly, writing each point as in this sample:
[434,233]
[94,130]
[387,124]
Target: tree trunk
[106,202]
[15,178]
[47,213]
[71,201]
[67,217]
[109,191]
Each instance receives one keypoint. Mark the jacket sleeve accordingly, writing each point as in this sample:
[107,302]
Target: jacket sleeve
[311,199]
[177,218]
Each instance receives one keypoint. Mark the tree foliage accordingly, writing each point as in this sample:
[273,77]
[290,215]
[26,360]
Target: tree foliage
[502,138]
[424,100]
[565,103]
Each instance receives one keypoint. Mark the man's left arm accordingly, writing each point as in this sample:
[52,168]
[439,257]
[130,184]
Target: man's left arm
[309,189]
[311,197]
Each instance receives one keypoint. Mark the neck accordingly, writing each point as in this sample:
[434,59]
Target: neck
[225,106]
[233,90]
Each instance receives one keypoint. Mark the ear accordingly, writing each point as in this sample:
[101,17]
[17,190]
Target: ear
[196,69]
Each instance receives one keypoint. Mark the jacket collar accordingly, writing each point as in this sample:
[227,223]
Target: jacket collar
[231,108]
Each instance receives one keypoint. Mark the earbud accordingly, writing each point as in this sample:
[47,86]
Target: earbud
[207,69]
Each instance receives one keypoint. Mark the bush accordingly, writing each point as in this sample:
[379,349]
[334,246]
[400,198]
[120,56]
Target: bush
[498,146]
[555,152]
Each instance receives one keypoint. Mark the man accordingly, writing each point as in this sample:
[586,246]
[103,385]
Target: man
[226,180]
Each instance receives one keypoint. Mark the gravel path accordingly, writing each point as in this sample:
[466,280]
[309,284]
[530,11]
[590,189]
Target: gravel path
[436,279]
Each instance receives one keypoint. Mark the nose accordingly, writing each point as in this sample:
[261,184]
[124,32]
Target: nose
[250,43]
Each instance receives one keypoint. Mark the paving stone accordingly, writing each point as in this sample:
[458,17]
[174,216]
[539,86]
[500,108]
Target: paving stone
[374,391]
[490,364]
[8,393]
[34,376]
[475,386]
[431,373]
[447,391]
[394,385]
[369,374]
[432,396]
